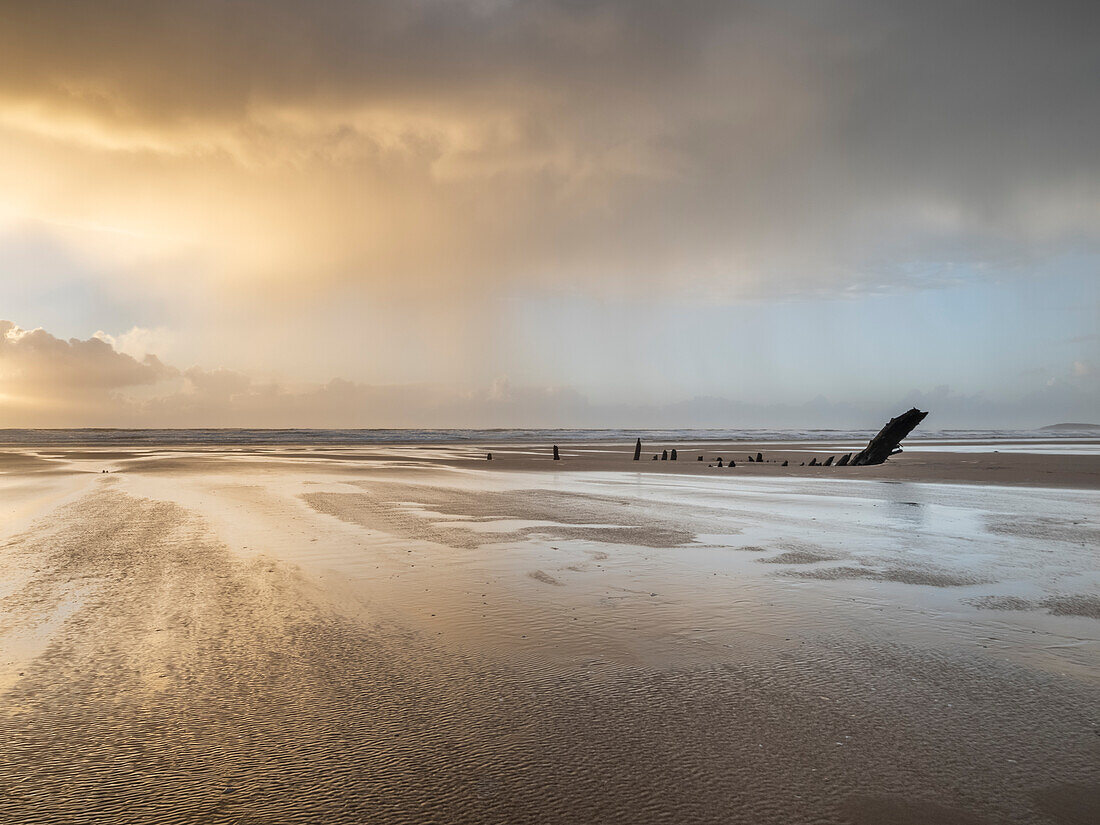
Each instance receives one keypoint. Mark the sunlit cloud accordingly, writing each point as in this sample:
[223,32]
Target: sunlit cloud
[459,143]
[394,172]
[47,381]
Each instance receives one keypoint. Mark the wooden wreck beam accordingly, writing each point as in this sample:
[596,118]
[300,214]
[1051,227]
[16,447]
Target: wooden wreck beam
[885,444]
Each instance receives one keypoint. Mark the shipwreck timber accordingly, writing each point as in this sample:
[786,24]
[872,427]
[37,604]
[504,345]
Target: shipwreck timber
[888,441]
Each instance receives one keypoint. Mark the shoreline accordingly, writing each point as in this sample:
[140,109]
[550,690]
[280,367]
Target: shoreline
[981,462]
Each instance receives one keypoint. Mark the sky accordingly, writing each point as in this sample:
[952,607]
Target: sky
[486,213]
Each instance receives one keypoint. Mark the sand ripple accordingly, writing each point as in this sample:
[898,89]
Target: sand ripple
[1077,604]
[192,687]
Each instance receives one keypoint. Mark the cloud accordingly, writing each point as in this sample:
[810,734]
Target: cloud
[138,341]
[719,149]
[33,361]
[49,382]
[410,192]
[219,383]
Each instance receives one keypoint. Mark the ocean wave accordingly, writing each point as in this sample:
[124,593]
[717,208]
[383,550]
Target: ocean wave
[309,437]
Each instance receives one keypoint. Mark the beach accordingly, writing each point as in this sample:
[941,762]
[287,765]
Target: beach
[413,633]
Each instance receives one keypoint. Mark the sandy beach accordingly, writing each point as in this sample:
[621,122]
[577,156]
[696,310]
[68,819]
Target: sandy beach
[415,634]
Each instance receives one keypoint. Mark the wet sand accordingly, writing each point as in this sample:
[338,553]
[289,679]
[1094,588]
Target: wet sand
[1041,464]
[417,635]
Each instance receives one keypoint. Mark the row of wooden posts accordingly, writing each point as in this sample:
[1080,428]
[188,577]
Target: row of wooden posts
[880,448]
[665,456]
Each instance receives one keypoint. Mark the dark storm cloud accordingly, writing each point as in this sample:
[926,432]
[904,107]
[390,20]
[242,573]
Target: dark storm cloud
[716,147]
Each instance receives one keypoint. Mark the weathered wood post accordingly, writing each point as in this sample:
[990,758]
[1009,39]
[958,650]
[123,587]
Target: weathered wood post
[888,441]
[638,449]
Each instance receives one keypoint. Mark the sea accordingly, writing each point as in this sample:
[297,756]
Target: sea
[310,437]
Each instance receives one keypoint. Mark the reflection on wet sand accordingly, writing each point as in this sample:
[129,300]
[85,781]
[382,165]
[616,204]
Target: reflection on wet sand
[251,639]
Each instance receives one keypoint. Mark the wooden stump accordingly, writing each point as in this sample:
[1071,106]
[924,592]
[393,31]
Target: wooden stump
[888,441]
